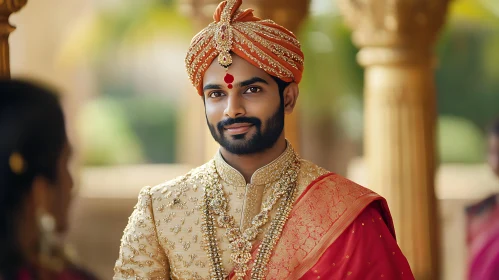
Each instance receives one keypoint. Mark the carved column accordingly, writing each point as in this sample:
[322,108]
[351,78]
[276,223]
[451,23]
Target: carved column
[396,39]
[7,7]
[289,13]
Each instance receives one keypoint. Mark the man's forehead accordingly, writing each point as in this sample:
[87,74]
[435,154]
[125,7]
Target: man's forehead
[240,69]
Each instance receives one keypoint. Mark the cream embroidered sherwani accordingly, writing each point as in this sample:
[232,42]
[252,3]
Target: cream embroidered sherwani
[163,238]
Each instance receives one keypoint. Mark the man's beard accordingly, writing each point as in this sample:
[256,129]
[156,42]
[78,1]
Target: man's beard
[258,142]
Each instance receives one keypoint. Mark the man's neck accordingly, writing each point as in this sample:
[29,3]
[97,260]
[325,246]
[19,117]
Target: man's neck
[248,164]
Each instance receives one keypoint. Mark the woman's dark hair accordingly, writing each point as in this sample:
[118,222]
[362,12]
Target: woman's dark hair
[32,126]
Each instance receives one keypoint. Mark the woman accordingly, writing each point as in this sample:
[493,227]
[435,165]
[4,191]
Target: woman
[483,223]
[35,184]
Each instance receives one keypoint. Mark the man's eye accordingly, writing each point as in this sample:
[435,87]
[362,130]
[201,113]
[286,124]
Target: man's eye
[215,94]
[253,90]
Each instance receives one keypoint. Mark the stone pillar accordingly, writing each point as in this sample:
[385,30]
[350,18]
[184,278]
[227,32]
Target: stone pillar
[289,13]
[7,7]
[396,40]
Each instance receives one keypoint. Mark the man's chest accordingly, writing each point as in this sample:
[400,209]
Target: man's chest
[182,236]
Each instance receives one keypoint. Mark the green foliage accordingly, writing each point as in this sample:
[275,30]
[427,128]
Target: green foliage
[128,130]
[479,11]
[129,24]
[466,78]
[106,136]
[331,71]
[154,122]
[459,141]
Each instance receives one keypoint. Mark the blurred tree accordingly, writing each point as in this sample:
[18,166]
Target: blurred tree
[331,99]
[469,63]
[131,24]
[143,122]
[107,137]
[460,141]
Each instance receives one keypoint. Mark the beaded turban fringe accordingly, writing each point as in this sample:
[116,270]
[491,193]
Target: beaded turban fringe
[262,43]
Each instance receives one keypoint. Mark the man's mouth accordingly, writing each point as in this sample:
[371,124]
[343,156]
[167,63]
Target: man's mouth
[238,128]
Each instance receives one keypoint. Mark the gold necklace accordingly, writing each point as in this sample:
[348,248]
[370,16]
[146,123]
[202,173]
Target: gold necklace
[216,203]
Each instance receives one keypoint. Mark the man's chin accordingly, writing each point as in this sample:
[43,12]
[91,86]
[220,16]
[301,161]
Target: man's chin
[237,146]
[237,143]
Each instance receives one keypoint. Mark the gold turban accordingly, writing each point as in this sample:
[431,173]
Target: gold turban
[262,43]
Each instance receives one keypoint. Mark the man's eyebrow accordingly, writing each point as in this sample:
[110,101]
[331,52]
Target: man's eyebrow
[252,81]
[212,86]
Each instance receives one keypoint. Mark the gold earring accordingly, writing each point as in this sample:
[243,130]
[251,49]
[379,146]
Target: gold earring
[16,163]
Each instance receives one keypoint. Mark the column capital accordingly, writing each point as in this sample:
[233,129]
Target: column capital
[288,13]
[394,31]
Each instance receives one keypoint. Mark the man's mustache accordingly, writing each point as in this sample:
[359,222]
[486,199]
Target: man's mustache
[230,121]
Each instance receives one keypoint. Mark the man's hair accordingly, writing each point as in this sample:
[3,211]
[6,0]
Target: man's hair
[282,85]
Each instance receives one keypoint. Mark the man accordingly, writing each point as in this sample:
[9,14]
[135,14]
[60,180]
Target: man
[256,211]
[483,223]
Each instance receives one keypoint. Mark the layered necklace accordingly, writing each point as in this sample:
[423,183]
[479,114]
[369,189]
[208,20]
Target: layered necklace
[216,213]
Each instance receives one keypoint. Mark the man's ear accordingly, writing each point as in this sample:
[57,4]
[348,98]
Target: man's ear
[290,95]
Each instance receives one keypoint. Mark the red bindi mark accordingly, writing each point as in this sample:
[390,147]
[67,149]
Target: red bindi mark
[229,79]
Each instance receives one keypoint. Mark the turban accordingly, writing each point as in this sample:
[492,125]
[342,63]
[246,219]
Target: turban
[263,43]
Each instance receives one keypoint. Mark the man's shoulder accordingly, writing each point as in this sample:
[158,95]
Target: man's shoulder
[317,174]
[310,172]
[326,183]
[310,167]
[347,186]
[181,185]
